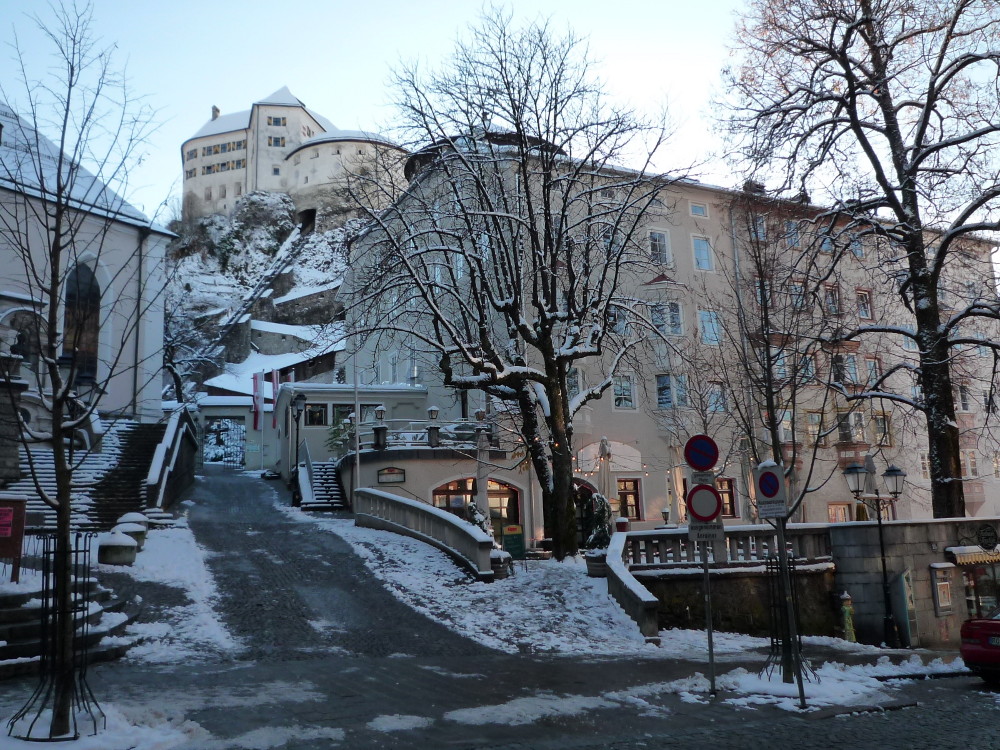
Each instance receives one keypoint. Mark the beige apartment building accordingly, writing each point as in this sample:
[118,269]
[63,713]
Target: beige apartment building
[707,257]
[278,145]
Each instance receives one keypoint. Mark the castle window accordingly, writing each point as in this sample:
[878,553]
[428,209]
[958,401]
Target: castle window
[275,171]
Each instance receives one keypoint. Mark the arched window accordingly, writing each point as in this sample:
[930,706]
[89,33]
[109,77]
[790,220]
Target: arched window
[83,320]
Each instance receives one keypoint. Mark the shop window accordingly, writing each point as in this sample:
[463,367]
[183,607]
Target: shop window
[315,415]
[628,499]
[838,512]
[727,492]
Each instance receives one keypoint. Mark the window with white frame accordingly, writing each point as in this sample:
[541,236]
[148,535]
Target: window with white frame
[709,328]
[699,209]
[864,299]
[624,388]
[758,228]
[574,382]
[786,427]
[702,254]
[831,299]
[814,428]
[964,398]
[797,294]
[727,492]
[618,320]
[715,398]
[845,368]
[659,248]
[881,429]
[671,391]
[276,140]
[873,368]
[851,427]
[792,235]
[970,468]
[857,247]
[996,464]
[666,318]
[807,368]
[910,343]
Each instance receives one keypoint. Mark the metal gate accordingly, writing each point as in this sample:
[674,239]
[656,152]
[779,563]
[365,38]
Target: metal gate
[226,440]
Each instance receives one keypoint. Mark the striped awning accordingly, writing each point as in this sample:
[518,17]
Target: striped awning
[972,555]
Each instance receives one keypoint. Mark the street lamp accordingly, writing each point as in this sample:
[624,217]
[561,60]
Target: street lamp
[855,474]
[380,429]
[298,407]
[433,430]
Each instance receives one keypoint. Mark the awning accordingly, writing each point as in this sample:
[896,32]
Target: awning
[972,555]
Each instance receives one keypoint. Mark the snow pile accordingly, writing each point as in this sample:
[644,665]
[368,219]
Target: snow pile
[186,633]
[546,607]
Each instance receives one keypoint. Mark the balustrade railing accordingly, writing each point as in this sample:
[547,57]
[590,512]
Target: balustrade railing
[744,545]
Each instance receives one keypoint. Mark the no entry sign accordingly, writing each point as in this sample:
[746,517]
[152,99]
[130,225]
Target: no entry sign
[701,452]
[772,500]
[704,503]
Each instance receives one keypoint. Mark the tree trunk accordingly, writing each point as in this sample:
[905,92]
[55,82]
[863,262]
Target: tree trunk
[63,667]
[554,473]
[943,449]
[943,454]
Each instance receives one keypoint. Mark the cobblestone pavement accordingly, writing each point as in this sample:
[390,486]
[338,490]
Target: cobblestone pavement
[332,659]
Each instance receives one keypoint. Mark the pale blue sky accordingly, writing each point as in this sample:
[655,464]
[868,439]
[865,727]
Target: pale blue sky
[336,56]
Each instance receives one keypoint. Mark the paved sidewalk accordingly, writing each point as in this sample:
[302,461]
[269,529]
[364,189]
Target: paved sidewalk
[332,659]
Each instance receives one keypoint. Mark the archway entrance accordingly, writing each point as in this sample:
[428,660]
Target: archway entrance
[505,501]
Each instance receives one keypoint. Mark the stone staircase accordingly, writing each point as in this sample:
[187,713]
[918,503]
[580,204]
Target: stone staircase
[326,488]
[21,625]
[122,489]
[106,485]
[37,463]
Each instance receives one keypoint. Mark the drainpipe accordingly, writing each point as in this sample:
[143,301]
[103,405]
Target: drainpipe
[144,233]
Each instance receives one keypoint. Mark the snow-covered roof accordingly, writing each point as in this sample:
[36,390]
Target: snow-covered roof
[335,135]
[29,163]
[224,124]
[238,377]
[282,96]
[306,333]
[305,291]
[241,120]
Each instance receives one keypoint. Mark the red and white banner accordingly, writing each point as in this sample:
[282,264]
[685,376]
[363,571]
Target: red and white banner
[275,382]
[258,400]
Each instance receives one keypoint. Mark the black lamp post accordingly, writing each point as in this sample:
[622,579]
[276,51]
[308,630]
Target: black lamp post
[380,429]
[855,474]
[298,406]
[433,429]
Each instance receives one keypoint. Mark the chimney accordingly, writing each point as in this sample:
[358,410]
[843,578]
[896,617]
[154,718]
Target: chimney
[215,112]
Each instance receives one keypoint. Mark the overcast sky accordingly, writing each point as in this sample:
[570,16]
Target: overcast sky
[186,56]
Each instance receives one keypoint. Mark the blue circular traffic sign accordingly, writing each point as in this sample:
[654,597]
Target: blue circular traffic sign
[701,452]
[769,484]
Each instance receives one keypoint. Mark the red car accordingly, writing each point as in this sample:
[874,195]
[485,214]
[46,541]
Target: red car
[981,646]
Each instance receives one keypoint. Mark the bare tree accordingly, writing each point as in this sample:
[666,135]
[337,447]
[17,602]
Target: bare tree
[888,109]
[86,260]
[512,244]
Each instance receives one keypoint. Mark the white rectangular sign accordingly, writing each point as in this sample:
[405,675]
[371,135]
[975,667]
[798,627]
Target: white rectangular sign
[706,532]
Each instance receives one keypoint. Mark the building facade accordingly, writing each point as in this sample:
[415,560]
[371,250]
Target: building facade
[278,145]
[746,303]
[108,311]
